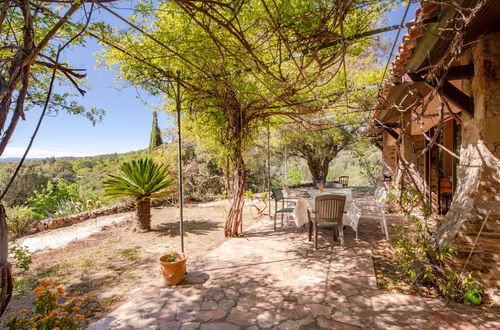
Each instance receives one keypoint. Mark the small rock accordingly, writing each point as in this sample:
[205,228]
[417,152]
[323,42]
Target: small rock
[190,326]
[208,305]
[182,315]
[226,304]
[318,309]
[211,315]
[241,318]
[218,326]
[289,325]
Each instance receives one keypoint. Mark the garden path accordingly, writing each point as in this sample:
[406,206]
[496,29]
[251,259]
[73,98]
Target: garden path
[273,279]
[59,237]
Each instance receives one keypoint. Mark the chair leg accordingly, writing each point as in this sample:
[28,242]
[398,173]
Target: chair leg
[275,208]
[282,215]
[384,224]
[315,236]
[341,233]
[310,224]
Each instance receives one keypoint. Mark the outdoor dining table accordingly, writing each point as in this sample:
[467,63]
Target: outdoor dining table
[307,200]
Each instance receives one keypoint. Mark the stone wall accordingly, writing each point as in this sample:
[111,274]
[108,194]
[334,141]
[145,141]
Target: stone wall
[476,201]
[39,226]
[389,154]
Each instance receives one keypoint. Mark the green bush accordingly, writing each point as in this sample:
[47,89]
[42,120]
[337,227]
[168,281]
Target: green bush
[19,218]
[420,258]
[46,200]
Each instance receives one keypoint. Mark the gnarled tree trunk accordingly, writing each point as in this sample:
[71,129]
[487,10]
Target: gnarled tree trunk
[6,280]
[318,167]
[237,195]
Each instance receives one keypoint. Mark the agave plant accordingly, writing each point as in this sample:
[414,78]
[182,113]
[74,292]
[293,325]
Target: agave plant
[144,180]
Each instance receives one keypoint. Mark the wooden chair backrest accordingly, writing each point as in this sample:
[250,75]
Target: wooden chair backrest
[344,180]
[329,208]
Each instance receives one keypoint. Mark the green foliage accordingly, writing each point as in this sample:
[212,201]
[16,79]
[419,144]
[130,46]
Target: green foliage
[295,176]
[155,139]
[22,261]
[31,177]
[370,161]
[140,179]
[22,256]
[65,207]
[45,202]
[19,219]
[419,257]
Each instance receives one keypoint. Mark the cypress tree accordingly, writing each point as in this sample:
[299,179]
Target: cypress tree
[155,139]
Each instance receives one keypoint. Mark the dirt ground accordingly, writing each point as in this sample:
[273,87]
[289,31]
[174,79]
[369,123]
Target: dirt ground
[110,266]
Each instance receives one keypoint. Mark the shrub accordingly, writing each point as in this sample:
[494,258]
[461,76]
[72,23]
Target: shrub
[53,309]
[420,258]
[22,261]
[19,219]
[46,200]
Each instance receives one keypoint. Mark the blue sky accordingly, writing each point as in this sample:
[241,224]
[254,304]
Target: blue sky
[127,123]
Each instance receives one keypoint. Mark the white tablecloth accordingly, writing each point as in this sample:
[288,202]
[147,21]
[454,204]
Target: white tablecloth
[351,216]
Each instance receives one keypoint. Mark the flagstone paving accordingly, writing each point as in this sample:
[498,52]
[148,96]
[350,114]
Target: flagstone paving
[276,280]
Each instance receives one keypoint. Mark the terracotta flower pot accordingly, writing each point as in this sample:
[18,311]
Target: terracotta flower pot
[173,271]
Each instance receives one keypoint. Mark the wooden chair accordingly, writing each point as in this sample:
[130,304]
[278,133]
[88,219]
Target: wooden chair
[278,196]
[328,213]
[344,180]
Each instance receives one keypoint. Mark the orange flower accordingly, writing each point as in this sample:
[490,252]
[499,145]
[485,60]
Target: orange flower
[44,319]
[80,317]
[77,293]
[40,288]
[76,309]
[60,290]
[53,312]
[24,311]
[61,305]
[69,298]
[46,283]
[56,328]
[64,314]
[80,299]
[56,283]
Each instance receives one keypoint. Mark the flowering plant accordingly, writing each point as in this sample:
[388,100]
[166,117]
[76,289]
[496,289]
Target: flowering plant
[53,310]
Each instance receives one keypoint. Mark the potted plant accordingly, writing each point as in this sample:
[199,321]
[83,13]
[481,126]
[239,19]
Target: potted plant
[173,268]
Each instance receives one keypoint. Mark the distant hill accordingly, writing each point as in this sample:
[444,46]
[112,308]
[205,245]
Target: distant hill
[17,159]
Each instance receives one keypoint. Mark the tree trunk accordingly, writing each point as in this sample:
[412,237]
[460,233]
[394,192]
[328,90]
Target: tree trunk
[143,213]
[235,215]
[318,167]
[6,280]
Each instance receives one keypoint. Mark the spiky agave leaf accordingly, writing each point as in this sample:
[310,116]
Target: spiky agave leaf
[141,178]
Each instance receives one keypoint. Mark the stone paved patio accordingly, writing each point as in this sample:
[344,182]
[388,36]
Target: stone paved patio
[276,280]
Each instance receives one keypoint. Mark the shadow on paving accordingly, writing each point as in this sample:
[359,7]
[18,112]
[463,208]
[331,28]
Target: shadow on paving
[277,280]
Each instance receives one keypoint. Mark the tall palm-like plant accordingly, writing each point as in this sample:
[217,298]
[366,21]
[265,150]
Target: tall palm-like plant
[144,180]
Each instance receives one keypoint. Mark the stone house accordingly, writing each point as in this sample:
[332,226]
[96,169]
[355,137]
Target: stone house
[438,125]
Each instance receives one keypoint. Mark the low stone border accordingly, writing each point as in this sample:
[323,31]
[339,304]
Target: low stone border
[39,226]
